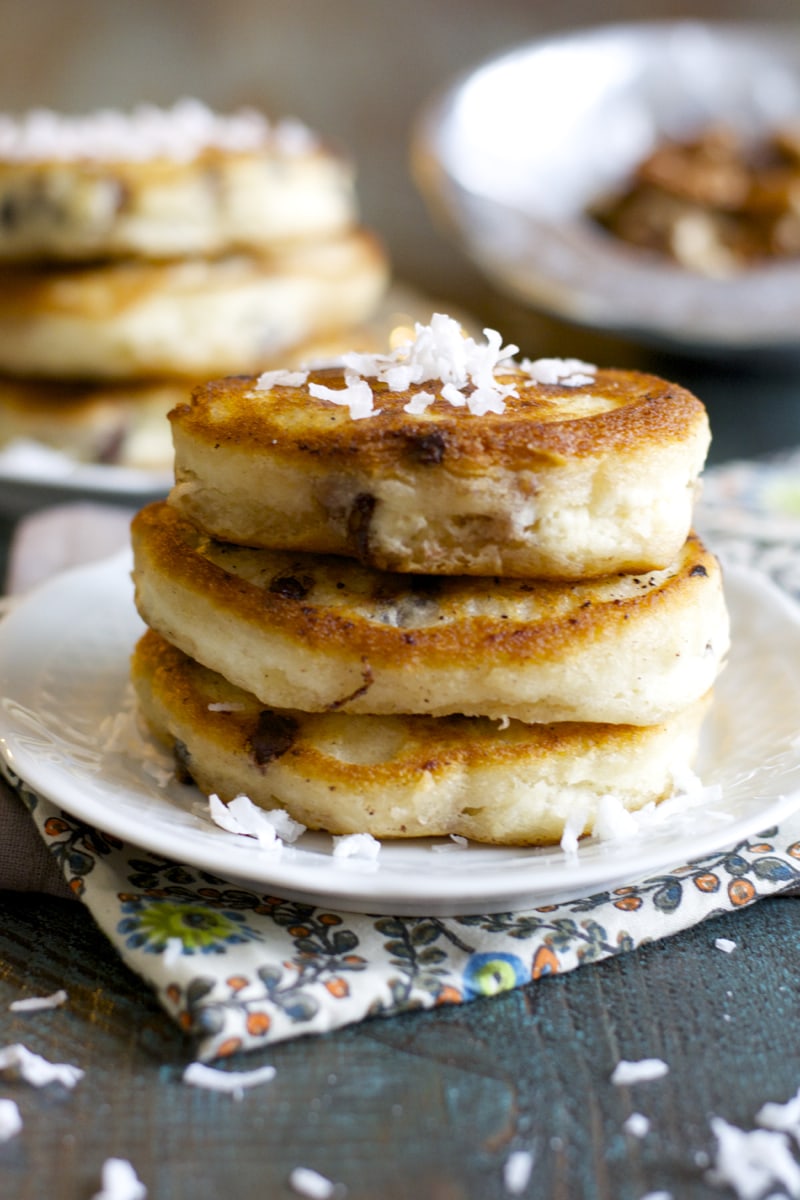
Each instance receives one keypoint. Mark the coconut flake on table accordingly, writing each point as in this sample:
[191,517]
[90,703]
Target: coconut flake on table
[119,1181]
[725,944]
[18,1062]
[356,845]
[785,1118]
[752,1161]
[181,133]
[307,1182]
[10,1120]
[38,1003]
[197,1074]
[641,1071]
[272,827]
[637,1125]
[517,1171]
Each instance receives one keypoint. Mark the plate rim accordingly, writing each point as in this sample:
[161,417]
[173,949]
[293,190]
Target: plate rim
[350,884]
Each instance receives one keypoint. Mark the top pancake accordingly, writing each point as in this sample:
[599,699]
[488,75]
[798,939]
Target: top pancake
[161,183]
[569,479]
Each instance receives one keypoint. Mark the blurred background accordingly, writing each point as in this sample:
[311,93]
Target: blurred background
[358,72]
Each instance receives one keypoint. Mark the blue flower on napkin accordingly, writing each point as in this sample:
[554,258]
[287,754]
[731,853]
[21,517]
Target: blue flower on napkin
[491,972]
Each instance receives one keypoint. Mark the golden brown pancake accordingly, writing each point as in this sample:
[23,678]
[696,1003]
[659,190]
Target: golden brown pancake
[119,424]
[565,482]
[320,633]
[190,318]
[165,183]
[405,776]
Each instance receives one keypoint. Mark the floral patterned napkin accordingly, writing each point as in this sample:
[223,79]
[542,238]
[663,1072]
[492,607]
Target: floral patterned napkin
[238,970]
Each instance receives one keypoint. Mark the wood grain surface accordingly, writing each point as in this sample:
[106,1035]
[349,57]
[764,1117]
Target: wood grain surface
[421,1107]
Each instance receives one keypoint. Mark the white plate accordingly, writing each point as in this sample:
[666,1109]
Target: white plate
[64,665]
[58,480]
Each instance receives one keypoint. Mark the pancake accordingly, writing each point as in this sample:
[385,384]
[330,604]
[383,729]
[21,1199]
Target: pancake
[405,776]
[325,633]
[191,318]
[591,473]
[162,183]
[115,424]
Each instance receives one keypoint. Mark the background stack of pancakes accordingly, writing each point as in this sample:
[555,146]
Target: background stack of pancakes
[141,253]
[433,592]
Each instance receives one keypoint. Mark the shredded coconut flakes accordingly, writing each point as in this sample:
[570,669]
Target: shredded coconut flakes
[272,827]
[18,1062]
[10,1120]
[38,1003]
[270,379]
[180,133]
[197,1074]
[783,1117]
[642,1071]
[307,1182]
[356,845]
[751,1162]
[517,1171]
[439,353]
[637,1125]
[120,1182]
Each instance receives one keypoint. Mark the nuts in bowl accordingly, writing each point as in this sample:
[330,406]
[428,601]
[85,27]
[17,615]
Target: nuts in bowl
[519,157]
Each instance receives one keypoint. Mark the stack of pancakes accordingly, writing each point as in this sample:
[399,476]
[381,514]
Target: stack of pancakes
[141,253]
[433,592]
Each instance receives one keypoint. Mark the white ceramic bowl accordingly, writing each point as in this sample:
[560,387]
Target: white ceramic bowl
[511,155]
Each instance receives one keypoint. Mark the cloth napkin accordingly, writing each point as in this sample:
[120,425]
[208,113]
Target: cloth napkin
[239,969]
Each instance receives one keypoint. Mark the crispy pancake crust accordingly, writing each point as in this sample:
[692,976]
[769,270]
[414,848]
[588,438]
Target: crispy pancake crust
[567,482]
[404,776]
[190,318]
[324,633]
[216,202]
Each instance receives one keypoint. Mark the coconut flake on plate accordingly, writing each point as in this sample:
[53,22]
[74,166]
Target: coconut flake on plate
[272,827]
[18,1062]
[356,845]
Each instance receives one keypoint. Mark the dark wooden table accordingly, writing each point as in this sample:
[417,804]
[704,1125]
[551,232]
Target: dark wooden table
[425,1106]
[428,1106]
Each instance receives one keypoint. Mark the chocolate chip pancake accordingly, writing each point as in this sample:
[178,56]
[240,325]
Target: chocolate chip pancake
[190,318]
[405,776]
[323,633]
[162,183]
[447,457]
